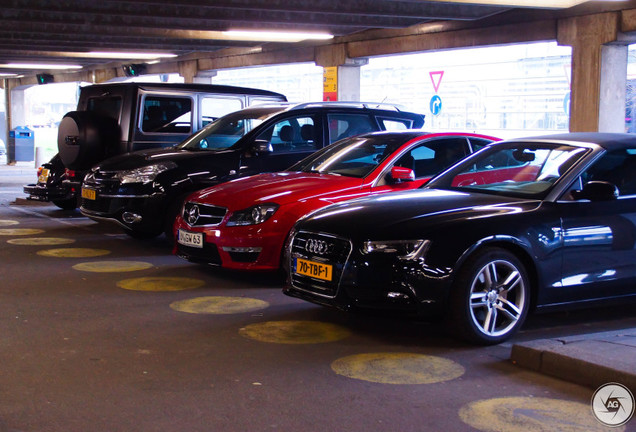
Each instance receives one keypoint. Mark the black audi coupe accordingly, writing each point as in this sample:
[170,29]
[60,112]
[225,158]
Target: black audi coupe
[525,224]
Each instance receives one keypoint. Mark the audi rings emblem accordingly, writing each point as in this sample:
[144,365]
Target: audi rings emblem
[193,214]
[318,247]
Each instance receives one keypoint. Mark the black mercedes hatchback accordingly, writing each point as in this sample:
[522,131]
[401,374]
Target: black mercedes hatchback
[526,224]
[143,191]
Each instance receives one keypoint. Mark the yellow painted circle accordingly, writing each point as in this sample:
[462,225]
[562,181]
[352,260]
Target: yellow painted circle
[527,414]
[7,222]
[160,284]
[294,332]
[112,266]
[19,231]
[398,368]
[73,252]
[219,305]
[41,241]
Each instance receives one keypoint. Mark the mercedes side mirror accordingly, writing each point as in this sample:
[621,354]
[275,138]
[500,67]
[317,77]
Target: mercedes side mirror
[401,174]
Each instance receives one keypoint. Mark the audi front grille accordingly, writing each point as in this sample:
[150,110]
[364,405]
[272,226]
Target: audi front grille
[319,248]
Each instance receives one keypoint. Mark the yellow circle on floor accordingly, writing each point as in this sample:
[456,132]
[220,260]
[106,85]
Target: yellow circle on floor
[398,368]
[294,332]
[160,284]
[529,414]
[8,222]
[217,305]
[41,241]
[112,266]
[73,252]
[19,231]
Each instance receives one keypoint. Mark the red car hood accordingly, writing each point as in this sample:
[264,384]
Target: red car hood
[280,188]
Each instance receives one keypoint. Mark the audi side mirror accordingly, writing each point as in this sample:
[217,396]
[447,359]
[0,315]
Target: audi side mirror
[399,174]
[262,147]
[597,191]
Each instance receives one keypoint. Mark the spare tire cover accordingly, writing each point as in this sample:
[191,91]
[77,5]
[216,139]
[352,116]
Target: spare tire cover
[84,137]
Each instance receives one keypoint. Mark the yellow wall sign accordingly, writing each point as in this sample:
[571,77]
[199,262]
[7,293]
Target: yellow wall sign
[330,84]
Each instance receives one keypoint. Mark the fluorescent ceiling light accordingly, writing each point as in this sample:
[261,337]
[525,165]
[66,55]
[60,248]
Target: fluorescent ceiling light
[125,55]
[39,66]
[555,4]
[274,36]
[7,75]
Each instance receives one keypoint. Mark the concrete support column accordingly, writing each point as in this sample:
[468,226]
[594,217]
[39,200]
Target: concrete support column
[613,88]
[16,113]
[341,73]
[188,70]
[587,35]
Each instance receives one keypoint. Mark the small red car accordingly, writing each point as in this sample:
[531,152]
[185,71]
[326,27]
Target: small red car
[243,224]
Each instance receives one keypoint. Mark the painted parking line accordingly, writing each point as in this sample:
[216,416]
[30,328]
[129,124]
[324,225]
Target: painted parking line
[112,266]
[398,368]
[19,231]
[73,252]
[217,305]
[159,284]
[530,414]
[8,222]
[294,332]
[41,241]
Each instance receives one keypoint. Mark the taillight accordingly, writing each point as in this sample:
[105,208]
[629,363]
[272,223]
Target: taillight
[69,173]
[39,172]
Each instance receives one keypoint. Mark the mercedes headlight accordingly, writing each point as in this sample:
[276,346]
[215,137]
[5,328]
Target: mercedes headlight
[252,215]
[144,174]
[405,249]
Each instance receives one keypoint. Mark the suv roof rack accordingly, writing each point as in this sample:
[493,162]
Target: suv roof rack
[352,104]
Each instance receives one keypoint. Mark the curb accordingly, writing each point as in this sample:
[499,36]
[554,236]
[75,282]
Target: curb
[590,360]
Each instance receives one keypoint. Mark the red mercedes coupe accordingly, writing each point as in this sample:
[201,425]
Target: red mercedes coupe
[243,224]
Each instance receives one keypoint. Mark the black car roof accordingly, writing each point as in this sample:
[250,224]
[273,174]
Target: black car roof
[609,141]
[212,88]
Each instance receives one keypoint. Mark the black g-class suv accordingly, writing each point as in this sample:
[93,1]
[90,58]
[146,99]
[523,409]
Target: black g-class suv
[117,118]
[143,191]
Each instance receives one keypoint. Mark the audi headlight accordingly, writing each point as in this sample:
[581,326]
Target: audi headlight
[405,249]
[144,174]
[252,215]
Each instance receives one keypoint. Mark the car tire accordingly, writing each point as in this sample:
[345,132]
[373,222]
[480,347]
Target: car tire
[141,235]
[66,204]
[85,138]
[490,297]
[171,214]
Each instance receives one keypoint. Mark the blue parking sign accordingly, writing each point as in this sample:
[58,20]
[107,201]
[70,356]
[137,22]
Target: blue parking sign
[436,105]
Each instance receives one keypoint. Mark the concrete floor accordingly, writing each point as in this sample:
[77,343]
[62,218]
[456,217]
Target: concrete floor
[102,350]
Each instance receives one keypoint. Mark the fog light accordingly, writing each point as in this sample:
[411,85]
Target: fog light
[131,218]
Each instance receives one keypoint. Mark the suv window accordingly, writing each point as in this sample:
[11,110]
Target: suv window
[292,134]
[346,125]
[167,114]
[105,106]
[214,107]
[395,124]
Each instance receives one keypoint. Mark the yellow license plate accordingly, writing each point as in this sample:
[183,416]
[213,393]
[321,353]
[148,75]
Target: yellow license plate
[314,269]
[89,194]
[44,176]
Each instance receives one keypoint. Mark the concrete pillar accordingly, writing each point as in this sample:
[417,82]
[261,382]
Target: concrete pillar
[188,70]
[613,88]
[587,35]
[341,73]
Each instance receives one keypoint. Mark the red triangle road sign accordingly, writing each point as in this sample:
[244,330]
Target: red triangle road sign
[436,79]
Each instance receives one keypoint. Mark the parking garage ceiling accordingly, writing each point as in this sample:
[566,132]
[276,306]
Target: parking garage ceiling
[80,31]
